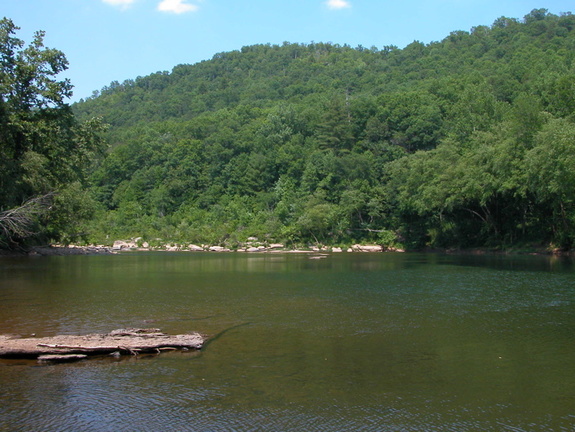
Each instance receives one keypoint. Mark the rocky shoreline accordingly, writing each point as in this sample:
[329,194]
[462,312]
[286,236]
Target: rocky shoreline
[251,246]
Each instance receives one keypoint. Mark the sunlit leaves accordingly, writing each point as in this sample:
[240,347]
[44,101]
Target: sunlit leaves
[463,142]
[43,148]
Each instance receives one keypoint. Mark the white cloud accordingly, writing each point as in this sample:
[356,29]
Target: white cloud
[338,4]
[124,4]
[176,6]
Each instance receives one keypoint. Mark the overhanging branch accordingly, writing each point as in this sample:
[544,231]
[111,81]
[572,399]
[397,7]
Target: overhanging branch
[19,221]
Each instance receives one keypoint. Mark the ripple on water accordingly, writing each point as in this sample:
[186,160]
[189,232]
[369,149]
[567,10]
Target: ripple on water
[378,343]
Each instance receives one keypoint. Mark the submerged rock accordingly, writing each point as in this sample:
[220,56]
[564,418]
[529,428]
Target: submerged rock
[60,358]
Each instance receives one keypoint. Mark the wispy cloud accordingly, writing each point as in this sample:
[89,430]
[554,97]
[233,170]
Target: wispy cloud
[338,4]
[176,6]
[123,4]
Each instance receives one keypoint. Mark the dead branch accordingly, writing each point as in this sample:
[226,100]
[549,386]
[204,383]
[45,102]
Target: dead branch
[18,222]
[132,341]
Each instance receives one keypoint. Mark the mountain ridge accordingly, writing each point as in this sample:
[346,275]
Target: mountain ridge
[317,142]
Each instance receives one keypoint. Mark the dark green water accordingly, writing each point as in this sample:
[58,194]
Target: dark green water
[366,342]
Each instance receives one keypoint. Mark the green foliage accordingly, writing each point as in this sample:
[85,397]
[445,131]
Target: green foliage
[44,150]
[551,180]
[464,142]
[388,239]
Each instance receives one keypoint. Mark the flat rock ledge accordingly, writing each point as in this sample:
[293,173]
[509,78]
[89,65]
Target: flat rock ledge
[64,348]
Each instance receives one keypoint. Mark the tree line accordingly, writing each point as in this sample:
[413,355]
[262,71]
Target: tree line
[465,142]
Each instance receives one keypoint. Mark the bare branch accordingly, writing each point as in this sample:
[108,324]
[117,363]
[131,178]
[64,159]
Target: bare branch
[18,222]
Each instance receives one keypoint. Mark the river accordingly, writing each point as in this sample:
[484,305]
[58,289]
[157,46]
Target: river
[343,342]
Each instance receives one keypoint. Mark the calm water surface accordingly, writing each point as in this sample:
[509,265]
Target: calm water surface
[366,342]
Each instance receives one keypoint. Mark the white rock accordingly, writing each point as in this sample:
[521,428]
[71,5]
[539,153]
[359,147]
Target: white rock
[367,248]
[121,244]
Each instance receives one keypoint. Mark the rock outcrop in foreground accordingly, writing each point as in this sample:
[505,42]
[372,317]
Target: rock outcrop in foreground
[117,342]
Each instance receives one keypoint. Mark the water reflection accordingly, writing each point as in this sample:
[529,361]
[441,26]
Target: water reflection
[350,342]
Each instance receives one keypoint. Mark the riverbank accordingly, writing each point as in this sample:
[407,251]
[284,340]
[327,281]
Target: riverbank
[56,250]
[136,245]
[131,246]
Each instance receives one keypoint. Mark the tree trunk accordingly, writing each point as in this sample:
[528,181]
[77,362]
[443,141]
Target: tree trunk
[122,341]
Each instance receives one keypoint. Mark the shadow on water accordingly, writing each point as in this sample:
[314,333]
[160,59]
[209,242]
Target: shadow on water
[214,338]
[522,263]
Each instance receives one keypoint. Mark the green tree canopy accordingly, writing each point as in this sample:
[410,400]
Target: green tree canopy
[463,142]
[43,148]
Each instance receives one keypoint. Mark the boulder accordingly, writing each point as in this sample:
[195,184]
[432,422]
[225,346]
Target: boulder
[123,244]
[366,248]
[218,249]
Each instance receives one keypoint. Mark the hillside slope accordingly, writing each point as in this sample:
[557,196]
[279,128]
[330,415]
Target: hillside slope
[464,142]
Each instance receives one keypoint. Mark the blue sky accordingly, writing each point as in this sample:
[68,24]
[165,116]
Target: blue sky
[107,40]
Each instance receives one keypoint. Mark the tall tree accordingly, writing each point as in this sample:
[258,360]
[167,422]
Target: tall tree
[43,149]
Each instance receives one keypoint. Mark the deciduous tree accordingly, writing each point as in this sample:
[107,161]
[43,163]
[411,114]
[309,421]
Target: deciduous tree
[43,148]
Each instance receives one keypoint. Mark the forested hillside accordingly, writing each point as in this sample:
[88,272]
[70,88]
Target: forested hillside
[466,142]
